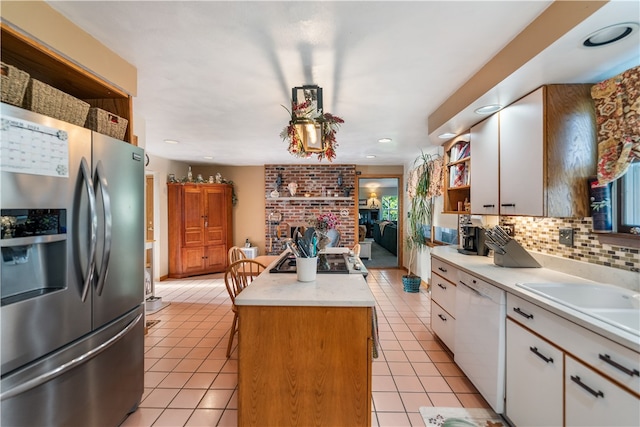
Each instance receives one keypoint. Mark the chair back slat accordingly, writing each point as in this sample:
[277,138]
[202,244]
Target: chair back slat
[240,274]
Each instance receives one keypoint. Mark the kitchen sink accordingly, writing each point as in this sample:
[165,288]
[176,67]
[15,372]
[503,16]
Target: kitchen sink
[617,306]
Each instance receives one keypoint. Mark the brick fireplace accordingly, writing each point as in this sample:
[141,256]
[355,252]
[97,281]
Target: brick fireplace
[320,189]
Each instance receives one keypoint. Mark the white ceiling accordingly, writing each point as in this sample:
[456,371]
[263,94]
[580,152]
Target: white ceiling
[214,75]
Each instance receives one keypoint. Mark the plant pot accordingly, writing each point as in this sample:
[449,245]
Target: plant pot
[411,283]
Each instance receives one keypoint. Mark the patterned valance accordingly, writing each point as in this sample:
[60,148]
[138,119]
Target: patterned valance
[617,102]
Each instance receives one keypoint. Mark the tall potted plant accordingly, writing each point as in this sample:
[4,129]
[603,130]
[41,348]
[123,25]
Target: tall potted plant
[420,213]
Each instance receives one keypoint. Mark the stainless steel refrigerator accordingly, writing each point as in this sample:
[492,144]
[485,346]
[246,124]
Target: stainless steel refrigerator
[72,274]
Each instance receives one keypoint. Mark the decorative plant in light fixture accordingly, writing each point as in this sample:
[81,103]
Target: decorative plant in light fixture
[310,131]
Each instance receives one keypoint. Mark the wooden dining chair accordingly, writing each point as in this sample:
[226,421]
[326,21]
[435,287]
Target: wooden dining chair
[238,276]
[236,254]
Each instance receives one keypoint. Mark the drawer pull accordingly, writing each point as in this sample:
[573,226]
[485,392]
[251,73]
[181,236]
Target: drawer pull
[535,351]
[508,205]
[444,270]
[576,380]
[441,286]
[444,319]
[627,371]
[522,313]
[488,206]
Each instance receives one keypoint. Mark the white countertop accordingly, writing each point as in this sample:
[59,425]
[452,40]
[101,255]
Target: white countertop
[328,290]
[506,279]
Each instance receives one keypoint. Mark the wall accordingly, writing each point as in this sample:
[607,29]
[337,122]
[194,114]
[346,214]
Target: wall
[160,168]
[312,180]
[40,21]
[248,213]
[541,235]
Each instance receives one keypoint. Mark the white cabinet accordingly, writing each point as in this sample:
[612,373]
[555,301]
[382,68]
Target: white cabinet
[534,379]
[443,300]
[521,156]
[593,400]
[485,167]
[547,152]
[600,379]
[546,146]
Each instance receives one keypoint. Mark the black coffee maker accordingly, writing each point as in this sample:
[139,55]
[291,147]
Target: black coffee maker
[473,238]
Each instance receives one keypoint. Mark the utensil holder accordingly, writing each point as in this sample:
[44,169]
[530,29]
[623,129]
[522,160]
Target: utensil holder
[306,269]
[514,256]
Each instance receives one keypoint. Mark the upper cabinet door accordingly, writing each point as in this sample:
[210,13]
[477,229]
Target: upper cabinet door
[215,215]
[485,166]
[193,216]
[522,156]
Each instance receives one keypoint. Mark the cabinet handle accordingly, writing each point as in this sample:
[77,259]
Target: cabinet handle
[535,351]
[627,371]
[444,270]
[508,205]
[444,319]
[488,206]
[522,313]
[441,286]
[576,380]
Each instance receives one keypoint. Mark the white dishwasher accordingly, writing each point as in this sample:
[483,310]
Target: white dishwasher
[480,337]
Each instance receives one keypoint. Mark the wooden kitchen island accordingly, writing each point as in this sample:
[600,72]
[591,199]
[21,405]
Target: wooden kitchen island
[304,351]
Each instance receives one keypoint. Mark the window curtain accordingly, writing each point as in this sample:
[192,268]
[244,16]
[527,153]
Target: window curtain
[617,102]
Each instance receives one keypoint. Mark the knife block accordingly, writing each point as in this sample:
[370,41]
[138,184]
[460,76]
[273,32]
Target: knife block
[514,256]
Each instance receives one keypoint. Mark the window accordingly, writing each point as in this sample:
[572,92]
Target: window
[628,206]
[390,208]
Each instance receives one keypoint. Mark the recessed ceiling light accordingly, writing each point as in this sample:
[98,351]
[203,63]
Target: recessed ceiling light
[610,34]
[208,157]
[370,156]
[488,109]
[384,140]
[171,141]
[446,135]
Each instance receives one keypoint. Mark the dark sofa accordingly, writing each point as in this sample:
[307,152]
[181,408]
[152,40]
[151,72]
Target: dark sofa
[386,235]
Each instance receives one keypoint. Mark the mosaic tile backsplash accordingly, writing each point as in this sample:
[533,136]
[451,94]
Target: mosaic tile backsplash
[541,235]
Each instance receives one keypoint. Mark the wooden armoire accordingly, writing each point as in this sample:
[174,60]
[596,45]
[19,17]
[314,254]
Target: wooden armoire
[200,228]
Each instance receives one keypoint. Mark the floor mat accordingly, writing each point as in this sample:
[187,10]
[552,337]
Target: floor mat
[460,417]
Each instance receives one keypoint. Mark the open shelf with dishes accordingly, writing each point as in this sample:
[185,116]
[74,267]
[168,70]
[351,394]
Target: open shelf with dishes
[457,184]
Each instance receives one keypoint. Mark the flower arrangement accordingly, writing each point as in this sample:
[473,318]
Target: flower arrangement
[324,222]
[330,125]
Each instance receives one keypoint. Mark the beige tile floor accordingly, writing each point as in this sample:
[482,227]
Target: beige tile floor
[190,382]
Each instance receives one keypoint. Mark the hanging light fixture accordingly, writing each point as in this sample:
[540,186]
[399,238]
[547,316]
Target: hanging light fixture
[310,131]
[308,99]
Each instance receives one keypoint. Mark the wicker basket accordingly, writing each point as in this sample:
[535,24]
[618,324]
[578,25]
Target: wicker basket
[411,283]
[14,84]
[44,99]
[106,123]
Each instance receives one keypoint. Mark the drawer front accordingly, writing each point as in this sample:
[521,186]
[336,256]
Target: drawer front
[617,362]
[534,380]
[444,270]
[444,325]
[593,400]
[444,293]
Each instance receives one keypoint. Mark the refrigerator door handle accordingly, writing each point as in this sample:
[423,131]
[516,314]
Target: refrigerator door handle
[101,181]
[88,183]
[48,376]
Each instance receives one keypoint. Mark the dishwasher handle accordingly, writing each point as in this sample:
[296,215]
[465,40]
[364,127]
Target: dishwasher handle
[477,292]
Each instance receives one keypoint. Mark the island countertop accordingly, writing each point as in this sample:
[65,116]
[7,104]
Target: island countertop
[328,290]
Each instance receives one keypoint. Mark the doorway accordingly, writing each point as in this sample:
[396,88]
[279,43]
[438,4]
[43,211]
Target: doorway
[379,220]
